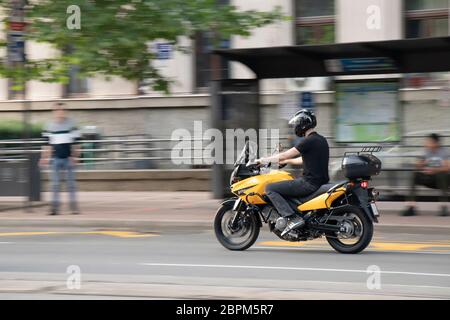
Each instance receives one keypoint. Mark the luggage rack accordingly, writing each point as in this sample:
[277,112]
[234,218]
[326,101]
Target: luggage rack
[366,149]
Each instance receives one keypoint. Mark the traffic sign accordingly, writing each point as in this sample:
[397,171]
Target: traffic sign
[16,47]
[307,100]
[164,51]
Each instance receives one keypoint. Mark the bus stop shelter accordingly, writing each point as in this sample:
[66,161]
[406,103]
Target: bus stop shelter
[235,102]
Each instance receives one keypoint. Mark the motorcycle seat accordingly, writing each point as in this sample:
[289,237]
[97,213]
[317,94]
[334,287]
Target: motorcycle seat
[322,189]
[295,202]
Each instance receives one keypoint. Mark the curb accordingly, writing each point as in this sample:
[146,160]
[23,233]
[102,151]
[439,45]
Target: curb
[104,223]
[24,206]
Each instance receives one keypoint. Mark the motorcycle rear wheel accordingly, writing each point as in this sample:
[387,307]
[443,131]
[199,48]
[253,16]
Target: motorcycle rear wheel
[249,227]
[357,217]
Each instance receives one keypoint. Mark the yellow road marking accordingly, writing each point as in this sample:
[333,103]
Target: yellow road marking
[407,246]
[443,246]
[120,234]
[282,244]
[7,234]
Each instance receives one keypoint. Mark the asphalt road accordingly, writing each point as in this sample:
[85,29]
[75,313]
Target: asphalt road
[177,264]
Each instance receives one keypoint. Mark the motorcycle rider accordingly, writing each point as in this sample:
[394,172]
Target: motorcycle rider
[313,153]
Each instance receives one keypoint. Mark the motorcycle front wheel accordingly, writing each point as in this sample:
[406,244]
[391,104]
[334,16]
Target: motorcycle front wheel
[358,230]
[239,235]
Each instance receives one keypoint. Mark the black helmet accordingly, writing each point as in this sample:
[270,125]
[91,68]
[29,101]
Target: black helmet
[302,121]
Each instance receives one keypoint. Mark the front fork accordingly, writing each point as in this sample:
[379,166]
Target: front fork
[236,207]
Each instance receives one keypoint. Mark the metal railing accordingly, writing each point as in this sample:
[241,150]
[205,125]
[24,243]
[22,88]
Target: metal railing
[142,152]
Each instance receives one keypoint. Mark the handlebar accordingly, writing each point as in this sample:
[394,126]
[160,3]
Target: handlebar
[258,164]
[253,164]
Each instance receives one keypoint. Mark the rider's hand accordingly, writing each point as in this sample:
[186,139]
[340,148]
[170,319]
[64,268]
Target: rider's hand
[260,161]
[256,162]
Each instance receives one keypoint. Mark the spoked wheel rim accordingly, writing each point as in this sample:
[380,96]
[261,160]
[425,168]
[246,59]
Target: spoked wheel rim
[352,229]
[238,233]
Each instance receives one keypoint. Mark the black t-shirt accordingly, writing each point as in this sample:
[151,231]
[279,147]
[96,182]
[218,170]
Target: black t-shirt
[315,153]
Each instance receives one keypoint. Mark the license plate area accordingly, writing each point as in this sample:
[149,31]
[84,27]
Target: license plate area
[374,208]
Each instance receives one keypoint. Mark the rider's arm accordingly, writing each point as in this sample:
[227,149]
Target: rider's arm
[295,161]
[283,156]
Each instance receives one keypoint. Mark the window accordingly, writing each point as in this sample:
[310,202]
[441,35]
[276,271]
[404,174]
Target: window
[205,62]
[426,18]
[76,86]
[314,21]
[202,61]
[425,4]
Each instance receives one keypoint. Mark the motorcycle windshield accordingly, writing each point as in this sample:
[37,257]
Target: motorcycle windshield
[248,153]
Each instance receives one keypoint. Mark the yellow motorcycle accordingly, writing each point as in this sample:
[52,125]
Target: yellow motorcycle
[343,212]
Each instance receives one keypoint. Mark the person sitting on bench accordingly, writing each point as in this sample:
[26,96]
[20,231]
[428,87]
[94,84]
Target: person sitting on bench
[433,172]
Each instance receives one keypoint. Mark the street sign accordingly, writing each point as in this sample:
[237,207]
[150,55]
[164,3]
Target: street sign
[16,30]
[17,26]
[16,47]
[164,51]
[307,101]
[359,64]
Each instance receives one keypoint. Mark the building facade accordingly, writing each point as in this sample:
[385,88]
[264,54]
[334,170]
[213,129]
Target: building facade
[313,22]
[123,108]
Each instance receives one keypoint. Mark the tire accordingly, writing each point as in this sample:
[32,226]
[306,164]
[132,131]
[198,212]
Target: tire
[253,223]
[367,232]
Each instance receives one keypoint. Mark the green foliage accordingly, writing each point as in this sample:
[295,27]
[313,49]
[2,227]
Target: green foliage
[14,129]
[115,35]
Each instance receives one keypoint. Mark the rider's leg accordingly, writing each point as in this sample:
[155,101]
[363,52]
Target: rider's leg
[277,192]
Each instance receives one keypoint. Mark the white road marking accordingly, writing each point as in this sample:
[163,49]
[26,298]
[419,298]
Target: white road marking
[223,266]
[329,249]
[6,242]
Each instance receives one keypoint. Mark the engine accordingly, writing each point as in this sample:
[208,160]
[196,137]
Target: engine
[277,224]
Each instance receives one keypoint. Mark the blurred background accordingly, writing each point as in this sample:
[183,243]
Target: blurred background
[130,73]
[127,124]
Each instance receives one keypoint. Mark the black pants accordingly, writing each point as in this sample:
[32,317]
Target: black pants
[278,191]
[434,181]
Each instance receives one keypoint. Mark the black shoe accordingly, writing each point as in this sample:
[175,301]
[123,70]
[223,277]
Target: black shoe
[444,211]
[409,212]
[293,223]
[53,212]
[75,212]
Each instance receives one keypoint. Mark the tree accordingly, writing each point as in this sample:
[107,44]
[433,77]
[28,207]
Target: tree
[113,36]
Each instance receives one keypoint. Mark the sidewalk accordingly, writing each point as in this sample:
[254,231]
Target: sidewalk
[173,209]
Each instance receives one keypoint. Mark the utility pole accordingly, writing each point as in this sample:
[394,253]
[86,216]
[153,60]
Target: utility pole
[17,57]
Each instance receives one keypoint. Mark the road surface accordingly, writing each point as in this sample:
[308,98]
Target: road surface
[172,263]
